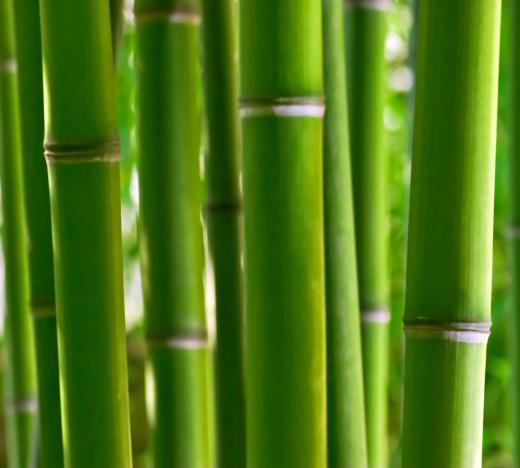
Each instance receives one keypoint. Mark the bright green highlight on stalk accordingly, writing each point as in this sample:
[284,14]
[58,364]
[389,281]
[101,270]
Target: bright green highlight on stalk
[282,119]
[27,20]
[82,155]
[365,31]
[172,256]
[448,293]
[20,393]
[224,222]
[346,412]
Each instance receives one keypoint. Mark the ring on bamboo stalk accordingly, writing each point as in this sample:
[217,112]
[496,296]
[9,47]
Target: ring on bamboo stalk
[283,107]
[382,5]
[81,153]
[170,15]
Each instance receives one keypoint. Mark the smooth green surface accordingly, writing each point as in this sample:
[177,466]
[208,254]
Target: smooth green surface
[451,230]
[365,31]
[224,222]
[346,412]
[84,188]
[41,272]
[281,57]
[20,387]
[172,257]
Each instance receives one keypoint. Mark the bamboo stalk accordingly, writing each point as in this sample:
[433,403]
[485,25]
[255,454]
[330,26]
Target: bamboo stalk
[116,24]
[514,12]
[346,412]
[224,222]
[448,294]
[20,392]
[172,257]
[282,117]
[82,157]
[37,207]
[366,30]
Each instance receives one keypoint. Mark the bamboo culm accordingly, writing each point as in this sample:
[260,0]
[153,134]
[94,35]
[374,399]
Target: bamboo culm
[346,412]
[282,122]
[20,386]
[365,32]
[82,155]
[37,208]
[448,293]
[224,222]
[171,242]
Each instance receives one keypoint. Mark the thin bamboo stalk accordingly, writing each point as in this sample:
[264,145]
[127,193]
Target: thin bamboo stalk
[448,294]
[346,412]
[366,30]
[224,222]
[514,13]
[20,392]
[282,117]
[83,162]
[172,256]
[37,207]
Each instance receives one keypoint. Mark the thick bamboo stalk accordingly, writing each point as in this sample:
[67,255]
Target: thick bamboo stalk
[37,207]
[514,12]
[224,222]
[172,256]
[20,393]
[282,117]
[448,293]
[366,30]
[82,154]
[346,412]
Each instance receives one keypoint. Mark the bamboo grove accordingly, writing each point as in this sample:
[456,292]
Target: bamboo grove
[259,133]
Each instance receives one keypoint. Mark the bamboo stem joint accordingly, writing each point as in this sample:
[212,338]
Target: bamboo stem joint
[313,107]
[460,332]
[381,5]
[82,153]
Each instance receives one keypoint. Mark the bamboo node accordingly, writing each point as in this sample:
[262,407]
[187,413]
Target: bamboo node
[312,107]
[460,332]
[43,310]
[8,65]
[175,15]
[82,153]
[379,316]
[184,341]
[380,5]
[21,405]
[229,207]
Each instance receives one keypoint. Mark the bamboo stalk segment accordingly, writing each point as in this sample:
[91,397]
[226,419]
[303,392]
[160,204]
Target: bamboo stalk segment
[448,294]
[365,32]
[282,117]
[82,156]
[20,387]
[172,256]
[224,223]
[37,207]
[346,412]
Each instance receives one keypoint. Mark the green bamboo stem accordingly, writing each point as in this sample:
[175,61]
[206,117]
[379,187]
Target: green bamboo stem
[346,412]
[172,257]
[282,117]
[448,293]
[37,207]
[366,30]
[224,219]
[514,12]
[116,24]
[20,393]
[82,156]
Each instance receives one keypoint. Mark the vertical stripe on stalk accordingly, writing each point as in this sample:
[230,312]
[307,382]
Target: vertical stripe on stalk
[20,393]
[172,256]
[37,204]
[346,412]
[224,222]
[82,157]
[282,110]
[366,30]
[448,292]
